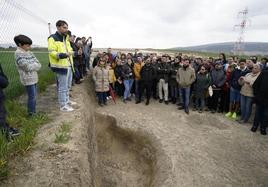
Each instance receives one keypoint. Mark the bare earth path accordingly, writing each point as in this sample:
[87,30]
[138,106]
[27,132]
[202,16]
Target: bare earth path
[164,146]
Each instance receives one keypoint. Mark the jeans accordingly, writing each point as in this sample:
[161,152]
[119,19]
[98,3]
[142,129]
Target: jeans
[102,97]
[162,85]
[31,92]
[186,97]
[246,107]
[128,84]
[200,103]
[174,91]
[261,116]
[64,82]
[86,61]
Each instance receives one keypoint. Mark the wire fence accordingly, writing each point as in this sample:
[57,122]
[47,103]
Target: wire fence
[17,19]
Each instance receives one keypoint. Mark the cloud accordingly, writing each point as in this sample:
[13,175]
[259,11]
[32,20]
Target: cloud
[142,23]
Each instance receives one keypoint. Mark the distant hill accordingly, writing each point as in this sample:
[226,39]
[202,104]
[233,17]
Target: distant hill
[251,48]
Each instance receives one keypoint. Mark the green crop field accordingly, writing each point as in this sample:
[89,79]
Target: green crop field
[15,88]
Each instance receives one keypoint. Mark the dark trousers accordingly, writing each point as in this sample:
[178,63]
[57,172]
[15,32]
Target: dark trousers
[119,89]
[261,116]
[214,100]
[102,97]
[3,114]
[154,88]
[145,86]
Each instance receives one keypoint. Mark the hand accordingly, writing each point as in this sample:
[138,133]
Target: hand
[80,51]
[69,54]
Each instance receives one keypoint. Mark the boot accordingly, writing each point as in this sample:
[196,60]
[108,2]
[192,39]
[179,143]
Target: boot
[254,128]
[263,131]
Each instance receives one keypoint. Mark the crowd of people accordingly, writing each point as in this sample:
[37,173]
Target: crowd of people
[230,86]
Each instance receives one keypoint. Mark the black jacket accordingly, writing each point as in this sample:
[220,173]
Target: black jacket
[260,89]
[118,72]
[127,72]
[173,74]
[163,71]
[148,73]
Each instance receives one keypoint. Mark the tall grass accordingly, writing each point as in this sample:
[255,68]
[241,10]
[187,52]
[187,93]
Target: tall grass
[18,117]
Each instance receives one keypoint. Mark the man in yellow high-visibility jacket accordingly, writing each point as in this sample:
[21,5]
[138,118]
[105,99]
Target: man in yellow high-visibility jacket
[61,62]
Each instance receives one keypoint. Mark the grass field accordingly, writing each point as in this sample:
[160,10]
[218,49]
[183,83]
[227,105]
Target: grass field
[17,114]
[15,88]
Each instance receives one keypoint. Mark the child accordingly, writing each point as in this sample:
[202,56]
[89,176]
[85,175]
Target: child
[101,78]
[27,65]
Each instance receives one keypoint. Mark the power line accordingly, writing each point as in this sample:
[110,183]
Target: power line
[26,11]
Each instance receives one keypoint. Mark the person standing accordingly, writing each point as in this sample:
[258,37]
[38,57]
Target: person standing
[127,75]
[101,79]
[246,92]
[163,72]
[5,129]
[218,79]
[174,88]
[28,66]
[260,91]
[61,62]
[185,78]
[201,87]
[137,72]
[148,74]
[87,46]
[235,89]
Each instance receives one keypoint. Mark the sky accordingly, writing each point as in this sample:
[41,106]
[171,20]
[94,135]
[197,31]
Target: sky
[136,23]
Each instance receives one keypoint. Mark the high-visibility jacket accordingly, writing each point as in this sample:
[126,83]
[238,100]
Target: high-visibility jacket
[58,47]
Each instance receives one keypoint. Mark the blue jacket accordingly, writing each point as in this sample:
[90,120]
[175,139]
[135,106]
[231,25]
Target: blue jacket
[236,74]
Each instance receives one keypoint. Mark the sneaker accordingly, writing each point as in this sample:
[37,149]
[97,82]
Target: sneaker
[128,99]
[66,108]
[180,108]
[160,100]
[13,132]
[147,102]
[166,102]
[72,103]
[110,97]
[107,98]
[124,101]
[234,116]
[228,115]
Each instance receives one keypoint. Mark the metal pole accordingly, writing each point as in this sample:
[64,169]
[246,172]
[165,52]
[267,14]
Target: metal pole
[49,28]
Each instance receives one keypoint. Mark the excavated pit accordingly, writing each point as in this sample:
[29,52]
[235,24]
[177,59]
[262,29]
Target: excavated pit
[123,157]
[119,156]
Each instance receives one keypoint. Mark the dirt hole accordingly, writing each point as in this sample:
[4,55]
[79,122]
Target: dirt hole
[123,157]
